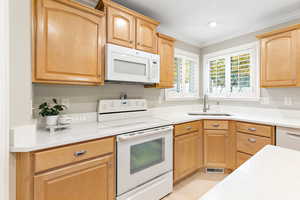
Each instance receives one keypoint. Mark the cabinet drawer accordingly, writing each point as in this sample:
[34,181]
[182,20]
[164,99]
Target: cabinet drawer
[250,143]
[70,154]
[187,128]
[255,129]
[241,158]
[216,124]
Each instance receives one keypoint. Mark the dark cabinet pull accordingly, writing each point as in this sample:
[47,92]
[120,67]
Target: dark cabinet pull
[80,153]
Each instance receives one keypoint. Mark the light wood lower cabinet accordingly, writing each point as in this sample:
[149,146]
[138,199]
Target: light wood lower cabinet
[241,158]
[87,180]
[74,172]
[215,145]
[250,138]
[251,144]
[188,153]
[219,144]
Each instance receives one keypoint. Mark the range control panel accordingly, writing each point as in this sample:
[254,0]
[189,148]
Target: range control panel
[124,105]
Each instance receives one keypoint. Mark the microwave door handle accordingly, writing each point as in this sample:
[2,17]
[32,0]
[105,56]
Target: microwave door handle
[128,58]
[147,133]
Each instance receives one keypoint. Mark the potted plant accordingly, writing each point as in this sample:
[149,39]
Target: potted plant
[51,111]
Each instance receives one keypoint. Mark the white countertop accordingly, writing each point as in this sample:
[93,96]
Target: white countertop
[271,174]
[41,139]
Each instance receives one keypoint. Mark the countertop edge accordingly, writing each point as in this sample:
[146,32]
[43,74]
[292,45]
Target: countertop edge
[14,149]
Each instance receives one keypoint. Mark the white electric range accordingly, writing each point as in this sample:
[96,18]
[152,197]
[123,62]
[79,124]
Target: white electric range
[144,153]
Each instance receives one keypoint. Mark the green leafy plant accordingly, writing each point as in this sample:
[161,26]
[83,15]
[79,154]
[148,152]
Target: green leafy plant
[47,109]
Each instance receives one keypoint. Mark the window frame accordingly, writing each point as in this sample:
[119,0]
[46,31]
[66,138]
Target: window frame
[254,50]
[195,58]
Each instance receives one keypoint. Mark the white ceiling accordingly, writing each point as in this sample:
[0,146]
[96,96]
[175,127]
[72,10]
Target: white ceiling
[188,20]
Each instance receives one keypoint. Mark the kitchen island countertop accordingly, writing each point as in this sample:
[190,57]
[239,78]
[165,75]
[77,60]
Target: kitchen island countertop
[271,174]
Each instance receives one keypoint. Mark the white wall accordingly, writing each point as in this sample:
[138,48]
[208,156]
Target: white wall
[20,73]
[275,95]
[4,100]
[20,59]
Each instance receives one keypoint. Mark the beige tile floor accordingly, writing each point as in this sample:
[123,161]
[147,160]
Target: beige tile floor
[195,186]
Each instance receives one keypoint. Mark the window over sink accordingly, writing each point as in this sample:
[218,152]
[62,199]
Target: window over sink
[186,77]
[232,73]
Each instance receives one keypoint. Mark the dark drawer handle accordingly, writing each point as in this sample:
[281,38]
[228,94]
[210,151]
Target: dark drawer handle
[251,129]
[252,140]
[216,125]
[80,153]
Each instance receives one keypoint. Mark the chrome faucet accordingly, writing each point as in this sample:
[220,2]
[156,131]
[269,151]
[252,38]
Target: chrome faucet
[205,103]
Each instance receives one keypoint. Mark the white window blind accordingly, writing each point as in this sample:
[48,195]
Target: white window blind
[240,73]
[217,75]
[186,77]
[232,73]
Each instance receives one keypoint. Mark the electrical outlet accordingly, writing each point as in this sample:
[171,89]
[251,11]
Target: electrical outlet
[65,101]
[265,100]
[288,101]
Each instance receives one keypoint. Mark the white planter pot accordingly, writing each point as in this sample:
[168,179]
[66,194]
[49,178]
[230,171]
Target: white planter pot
[51,120]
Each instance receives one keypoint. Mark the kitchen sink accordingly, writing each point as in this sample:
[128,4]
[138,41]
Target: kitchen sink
[210,114]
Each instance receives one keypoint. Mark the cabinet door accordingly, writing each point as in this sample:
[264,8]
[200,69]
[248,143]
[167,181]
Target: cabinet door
[146,36]
[187,154]
[120,28]
[278,60]
[241,158]
[90,180]
[215,148]
[69,43]
[166,52]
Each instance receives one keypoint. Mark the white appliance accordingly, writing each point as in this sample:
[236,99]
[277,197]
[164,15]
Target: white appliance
[288,138]
[130,65]
[144,153]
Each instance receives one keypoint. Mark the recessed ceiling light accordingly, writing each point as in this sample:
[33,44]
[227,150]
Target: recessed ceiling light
[212,24]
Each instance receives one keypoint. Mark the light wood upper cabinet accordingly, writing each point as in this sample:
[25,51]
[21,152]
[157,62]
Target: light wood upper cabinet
[87,180]
[129,28]
[120,28]
[146,38]
[279,64]
[68,43]
[279,61]
[166,52]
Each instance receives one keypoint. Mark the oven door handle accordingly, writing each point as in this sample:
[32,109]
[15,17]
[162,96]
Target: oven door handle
[140,134]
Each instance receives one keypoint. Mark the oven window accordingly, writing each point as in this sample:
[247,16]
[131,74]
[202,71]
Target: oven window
[147,154]
[133,68]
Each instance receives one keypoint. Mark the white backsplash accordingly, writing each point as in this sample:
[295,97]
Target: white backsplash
[84,99]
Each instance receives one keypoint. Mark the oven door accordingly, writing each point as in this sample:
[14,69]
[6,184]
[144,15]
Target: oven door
[128,65]
[143,156]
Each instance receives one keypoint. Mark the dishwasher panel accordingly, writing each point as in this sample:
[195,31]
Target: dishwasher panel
[288,138]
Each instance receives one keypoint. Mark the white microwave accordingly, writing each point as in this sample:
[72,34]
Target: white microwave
[130,65]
